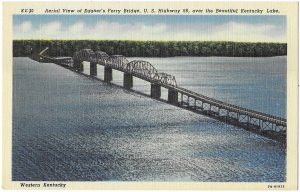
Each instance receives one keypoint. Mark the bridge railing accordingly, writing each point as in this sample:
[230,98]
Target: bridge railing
[237,108]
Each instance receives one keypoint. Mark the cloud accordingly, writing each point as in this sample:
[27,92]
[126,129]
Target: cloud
[231,31]
[78,27]
[50,30]
[108,30]
[23,27]
[250,32]
[51,27]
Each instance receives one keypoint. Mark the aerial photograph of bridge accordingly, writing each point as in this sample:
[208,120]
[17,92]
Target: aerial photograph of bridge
[149,98]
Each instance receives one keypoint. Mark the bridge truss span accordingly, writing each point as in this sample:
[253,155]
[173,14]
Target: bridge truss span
[84,55]
[167,79]
[141,68]
[116,62]
[101,57]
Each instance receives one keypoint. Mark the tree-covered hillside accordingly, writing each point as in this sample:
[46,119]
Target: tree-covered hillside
[152,48]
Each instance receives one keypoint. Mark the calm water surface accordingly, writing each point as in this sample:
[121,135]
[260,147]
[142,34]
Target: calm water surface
[68,127]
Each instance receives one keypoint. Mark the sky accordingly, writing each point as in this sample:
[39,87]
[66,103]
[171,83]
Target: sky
[153,28]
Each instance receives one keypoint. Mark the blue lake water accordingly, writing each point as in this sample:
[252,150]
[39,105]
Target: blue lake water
[67,127]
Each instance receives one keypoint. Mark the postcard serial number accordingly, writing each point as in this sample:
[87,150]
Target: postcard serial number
[27,10]
[275,186]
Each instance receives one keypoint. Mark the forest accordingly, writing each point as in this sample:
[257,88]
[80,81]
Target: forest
[23,48]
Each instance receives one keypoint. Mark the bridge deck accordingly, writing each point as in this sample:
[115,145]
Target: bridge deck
[254,116]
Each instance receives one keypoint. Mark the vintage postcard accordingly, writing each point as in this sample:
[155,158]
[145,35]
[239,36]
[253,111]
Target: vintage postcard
[150,95]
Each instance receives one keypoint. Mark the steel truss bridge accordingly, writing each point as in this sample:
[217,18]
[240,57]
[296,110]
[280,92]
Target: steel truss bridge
[264,124]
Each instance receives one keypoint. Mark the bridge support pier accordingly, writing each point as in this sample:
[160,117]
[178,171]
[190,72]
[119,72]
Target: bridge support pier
[172,97]
[128,81]
[78,66]
[107,74]
[93,69]
[155,91]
